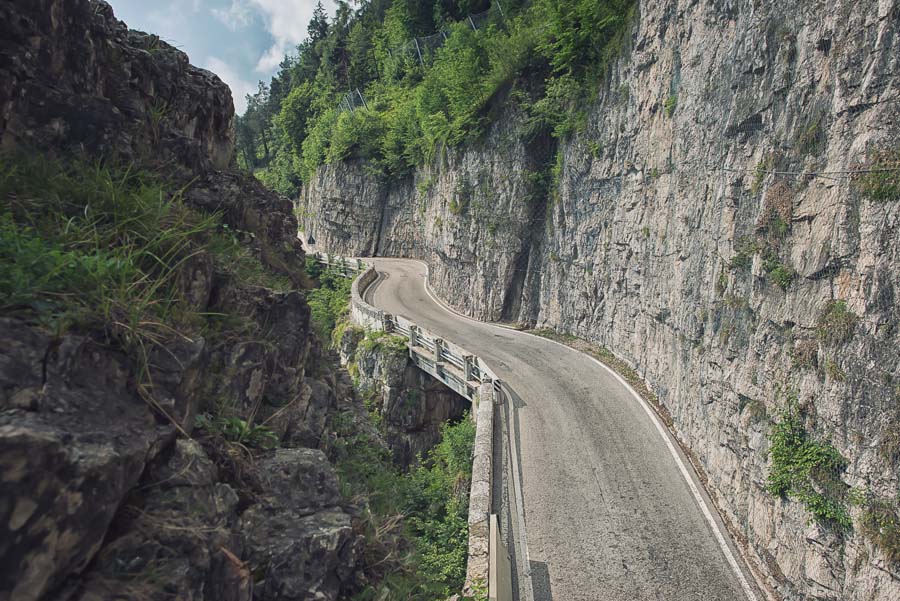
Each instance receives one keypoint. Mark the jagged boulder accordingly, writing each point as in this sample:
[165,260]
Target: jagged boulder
[176,535]
[300,542]
[73,77]
[74,439]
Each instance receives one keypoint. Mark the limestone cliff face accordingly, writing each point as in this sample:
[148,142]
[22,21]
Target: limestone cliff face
[671,237]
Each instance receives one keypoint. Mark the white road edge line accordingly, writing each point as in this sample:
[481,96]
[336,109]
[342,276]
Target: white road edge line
[520,502]
[723,544]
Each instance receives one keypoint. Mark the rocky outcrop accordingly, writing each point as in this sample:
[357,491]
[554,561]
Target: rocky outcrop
[73,441]
[661,241]
[107,490]
[76,79]
[411,404]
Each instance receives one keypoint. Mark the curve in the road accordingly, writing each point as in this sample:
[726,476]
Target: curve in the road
[611,508]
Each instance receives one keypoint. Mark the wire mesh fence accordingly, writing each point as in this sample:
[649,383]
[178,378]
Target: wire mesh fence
[422,50]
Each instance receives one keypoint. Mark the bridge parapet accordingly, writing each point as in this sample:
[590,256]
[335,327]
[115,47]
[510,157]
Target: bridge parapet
[488,564]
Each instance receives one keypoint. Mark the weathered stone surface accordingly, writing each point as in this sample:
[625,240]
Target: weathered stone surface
[299,540]
[75,78]
[98,500]
[268,367]
[250,208]
[176,536]
[633,250]
[73,441]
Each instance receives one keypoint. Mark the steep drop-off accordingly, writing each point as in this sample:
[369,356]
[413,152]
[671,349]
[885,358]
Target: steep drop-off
[701,226]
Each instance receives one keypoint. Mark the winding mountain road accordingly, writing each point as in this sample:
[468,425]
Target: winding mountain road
[610,509]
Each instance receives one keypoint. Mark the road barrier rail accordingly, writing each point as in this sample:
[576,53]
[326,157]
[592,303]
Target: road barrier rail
[488,563]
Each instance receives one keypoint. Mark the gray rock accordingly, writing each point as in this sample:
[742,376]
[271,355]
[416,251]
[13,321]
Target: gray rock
[300,543]
[632,250]
[67,462]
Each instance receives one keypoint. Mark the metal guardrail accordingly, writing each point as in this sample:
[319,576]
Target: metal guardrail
[469,376]
[460,370]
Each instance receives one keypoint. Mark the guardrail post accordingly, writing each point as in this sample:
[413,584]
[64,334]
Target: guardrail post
[438,345]
[467,367]
[413,329]
[359,265]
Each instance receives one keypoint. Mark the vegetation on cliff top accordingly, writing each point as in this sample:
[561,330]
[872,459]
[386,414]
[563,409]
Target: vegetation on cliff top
[428,77]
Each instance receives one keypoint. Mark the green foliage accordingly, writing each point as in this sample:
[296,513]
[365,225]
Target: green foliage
[236,256]
[549,54]
[432,499]
[778,273]
[836,323]
[807,469]
[881,523]
[329,302]
[881,180]
[236,430]
[83,244]
[439,503]
[670,104]
[377,340]
[744,249]
[810,139]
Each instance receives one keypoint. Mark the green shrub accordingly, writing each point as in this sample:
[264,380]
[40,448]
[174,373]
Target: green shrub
[836,323]
[881,524]
[807,470]
[670,104]
[880,180]
[778,273]
[430,504]
[329,302]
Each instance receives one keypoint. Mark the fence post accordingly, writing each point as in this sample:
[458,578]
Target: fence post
[413,328]
[419,52]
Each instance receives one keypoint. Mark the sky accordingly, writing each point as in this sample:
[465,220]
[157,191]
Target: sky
[242,41]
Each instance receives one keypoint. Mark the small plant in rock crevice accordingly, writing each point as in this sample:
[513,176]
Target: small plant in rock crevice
[880,178]
[670,104]
[836,323]
[239,431]
[880,522]
[807,469]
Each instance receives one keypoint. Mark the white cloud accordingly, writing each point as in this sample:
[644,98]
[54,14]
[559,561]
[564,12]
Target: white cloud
[239,87]
[236,16]
[286,21]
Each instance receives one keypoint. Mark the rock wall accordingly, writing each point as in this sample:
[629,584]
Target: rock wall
[411,405]
[682,236]
[106,489]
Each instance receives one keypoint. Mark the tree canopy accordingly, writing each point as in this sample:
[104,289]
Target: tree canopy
[392,81]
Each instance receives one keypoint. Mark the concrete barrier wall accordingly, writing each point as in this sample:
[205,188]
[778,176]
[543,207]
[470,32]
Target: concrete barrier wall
[480,501]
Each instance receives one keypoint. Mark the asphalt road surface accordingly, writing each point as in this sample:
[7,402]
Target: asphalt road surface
[610,510]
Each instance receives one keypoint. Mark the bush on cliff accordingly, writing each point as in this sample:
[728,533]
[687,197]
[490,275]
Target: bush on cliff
[417,528]
[329,301]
